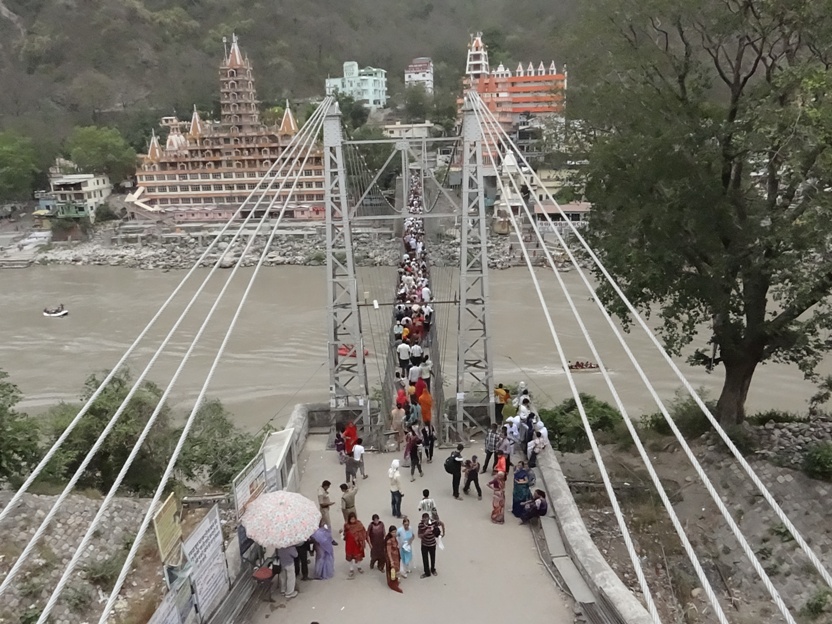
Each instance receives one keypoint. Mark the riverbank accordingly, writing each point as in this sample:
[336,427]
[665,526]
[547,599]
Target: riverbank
[370,251]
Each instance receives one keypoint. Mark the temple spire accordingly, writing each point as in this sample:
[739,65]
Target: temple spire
[288,125]
[154,152]
[235,57]
[196,124]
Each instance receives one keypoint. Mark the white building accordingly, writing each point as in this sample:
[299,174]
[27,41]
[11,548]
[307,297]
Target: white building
[84,191]
[419,72]
[399,130]
[368,85]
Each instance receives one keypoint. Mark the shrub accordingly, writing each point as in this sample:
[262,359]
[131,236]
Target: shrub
[816,604]
[688,416]
[775,416]
[818,462]
[566,429]
[104,573]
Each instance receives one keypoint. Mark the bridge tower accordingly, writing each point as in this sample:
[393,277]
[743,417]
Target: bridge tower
[348,386]
[475,379]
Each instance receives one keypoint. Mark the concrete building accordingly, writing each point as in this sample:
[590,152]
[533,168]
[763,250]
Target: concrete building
[72,193]
[419,72]
[514,96]
[399,130]
[368,85]
[206,169]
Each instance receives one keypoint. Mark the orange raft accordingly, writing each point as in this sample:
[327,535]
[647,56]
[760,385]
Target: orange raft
[346,350]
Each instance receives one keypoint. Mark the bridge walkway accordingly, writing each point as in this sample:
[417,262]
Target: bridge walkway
[487,572]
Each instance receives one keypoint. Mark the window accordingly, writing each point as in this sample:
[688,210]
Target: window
[206,187]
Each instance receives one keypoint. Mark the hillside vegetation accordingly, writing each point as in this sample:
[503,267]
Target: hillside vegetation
[76,62]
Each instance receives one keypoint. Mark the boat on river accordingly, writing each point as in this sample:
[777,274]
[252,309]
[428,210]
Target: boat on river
[58,312]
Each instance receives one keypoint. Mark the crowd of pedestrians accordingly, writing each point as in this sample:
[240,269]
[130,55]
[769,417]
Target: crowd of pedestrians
[412,416]
[390,547]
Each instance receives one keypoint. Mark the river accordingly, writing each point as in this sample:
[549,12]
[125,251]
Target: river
[276,355]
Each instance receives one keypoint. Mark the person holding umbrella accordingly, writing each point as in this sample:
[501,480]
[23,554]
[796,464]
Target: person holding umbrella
[355,539]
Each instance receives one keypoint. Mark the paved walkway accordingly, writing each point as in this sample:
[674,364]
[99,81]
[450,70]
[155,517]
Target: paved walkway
[487,573]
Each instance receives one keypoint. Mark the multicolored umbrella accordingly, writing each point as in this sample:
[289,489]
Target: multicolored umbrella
[281,519]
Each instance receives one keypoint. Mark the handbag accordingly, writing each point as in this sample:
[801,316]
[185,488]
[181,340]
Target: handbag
[393,574]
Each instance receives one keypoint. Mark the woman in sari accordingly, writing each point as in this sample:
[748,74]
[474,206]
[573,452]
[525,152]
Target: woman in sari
[391,551]
[521,493]
[498,499]
[355,538]
[324,553]
[406,537]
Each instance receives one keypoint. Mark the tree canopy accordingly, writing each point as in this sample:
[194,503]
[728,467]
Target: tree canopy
[98,149]
[710,174]
[19,436]
[18,162]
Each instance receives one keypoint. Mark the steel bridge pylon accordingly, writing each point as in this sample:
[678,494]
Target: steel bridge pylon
[475,377]
[348,386]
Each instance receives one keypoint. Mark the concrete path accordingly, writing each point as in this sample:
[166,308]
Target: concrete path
[487,573]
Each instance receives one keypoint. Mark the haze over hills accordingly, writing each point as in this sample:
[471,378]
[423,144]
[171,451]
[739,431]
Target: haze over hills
[69,60]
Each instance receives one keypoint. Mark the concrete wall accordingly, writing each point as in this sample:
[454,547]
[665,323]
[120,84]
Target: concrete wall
[611,593]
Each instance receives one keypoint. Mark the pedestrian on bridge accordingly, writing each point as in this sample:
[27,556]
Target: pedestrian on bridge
[355,540]
[348,493]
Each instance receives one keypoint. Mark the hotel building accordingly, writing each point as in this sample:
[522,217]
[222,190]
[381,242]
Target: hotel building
[206,169]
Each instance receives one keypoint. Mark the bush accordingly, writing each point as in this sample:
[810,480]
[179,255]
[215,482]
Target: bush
[104,213]
[566,429]
[818,462]
[816,605]
[688,416]
[775,416]
[104,573]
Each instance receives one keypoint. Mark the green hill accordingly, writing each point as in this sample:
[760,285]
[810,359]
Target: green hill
[75,62]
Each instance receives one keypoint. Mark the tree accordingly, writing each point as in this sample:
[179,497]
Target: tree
[19,450]
[354,114]
[417,103]
[100,474]
[711,171]
[17,167]
[101,150]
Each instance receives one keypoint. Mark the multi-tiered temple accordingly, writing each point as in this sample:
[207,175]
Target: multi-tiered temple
[207,169]
[511,96]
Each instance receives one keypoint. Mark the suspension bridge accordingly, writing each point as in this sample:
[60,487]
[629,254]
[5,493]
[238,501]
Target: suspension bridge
[354,199]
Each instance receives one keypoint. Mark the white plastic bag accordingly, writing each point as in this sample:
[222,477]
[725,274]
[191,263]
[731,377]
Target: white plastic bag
[439,543]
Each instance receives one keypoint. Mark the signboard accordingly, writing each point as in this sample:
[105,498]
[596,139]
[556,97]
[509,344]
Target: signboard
[249,483]
[167,526]
[203,548]
[166,613]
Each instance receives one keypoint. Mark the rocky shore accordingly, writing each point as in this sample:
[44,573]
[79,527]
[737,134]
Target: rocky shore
[370,250]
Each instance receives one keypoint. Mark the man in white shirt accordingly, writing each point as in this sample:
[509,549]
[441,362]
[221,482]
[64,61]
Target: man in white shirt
[426,371]
[416,355]
[403,351]
[426,294]
[358,455]
[414,373]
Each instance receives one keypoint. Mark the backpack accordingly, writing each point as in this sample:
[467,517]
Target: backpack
[449,463]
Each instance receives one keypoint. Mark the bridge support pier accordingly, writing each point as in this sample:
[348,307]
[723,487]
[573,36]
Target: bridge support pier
[475,379]
[348,386]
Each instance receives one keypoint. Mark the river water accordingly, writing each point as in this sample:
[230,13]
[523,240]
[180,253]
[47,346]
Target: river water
[276,356]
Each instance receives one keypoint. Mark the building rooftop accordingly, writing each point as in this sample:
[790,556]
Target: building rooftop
[74,178]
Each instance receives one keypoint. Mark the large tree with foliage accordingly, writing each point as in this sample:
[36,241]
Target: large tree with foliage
[711,174]
[19,437]
[17,167]
[98,149]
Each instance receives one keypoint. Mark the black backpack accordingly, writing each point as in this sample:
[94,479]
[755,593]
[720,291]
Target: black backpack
[449,464]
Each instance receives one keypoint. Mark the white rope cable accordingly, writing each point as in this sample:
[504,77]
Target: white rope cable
[619,516]
[54,597]
[668,505]
[30,546]
[769,498]
[12,504]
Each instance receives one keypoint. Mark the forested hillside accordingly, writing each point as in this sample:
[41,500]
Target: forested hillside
[70,62]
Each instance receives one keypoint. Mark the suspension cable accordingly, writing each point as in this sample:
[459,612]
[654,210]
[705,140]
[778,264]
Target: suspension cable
[668,505]
[628,540]
[18,495]
[53,599]
[769,498]
[79,472]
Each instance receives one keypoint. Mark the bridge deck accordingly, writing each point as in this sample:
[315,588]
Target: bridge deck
[487,572]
